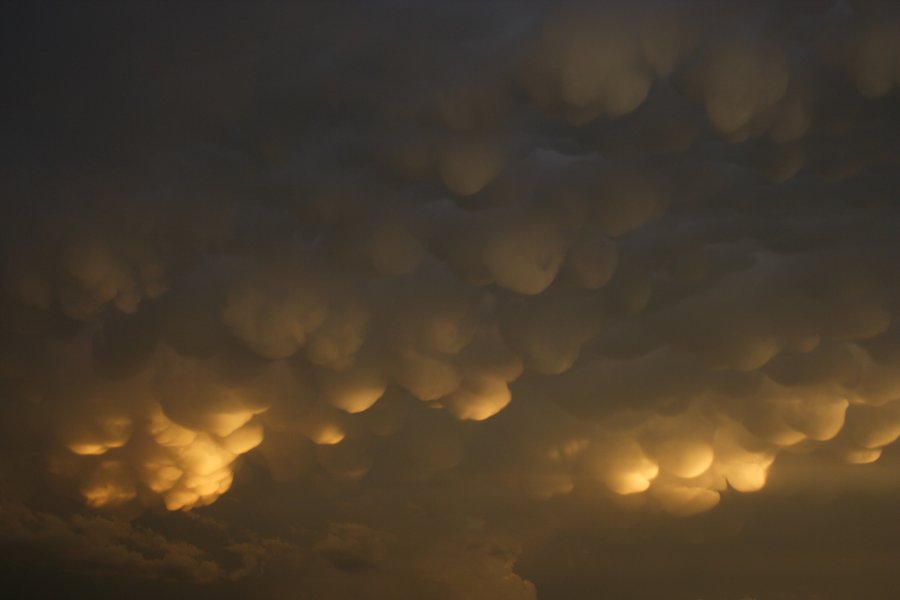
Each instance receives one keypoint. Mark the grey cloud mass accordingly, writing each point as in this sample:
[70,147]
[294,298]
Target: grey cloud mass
[450,300]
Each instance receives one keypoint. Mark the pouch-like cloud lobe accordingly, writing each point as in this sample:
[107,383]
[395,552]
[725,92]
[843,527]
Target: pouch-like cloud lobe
[350,282]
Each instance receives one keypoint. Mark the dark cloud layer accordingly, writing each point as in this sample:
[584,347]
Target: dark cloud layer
[445,300]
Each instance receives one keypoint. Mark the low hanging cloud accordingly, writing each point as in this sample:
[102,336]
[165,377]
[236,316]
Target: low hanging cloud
[631,254]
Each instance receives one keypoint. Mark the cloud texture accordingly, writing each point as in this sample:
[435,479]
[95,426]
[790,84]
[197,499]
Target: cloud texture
[406,267]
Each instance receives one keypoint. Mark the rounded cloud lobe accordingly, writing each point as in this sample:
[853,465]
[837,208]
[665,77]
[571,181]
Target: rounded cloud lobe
[629,255]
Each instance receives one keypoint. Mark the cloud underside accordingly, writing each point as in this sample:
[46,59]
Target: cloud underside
[303,295]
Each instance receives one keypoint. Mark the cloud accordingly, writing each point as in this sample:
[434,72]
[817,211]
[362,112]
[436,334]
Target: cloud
[103,545]
[481,262]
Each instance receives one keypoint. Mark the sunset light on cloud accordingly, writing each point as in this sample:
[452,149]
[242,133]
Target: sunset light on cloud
[451,300]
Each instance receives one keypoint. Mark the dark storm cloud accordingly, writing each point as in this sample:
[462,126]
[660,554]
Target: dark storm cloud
[377,299]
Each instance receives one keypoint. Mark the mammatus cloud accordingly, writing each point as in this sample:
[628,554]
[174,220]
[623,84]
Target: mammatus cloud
[589,253]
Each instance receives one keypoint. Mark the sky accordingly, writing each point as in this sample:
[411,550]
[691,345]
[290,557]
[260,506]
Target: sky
[500,300]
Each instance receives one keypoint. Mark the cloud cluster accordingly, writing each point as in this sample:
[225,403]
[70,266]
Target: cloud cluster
[615,286]
[601,254]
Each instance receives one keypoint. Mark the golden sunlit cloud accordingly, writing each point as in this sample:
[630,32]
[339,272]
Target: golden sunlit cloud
[431,300]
